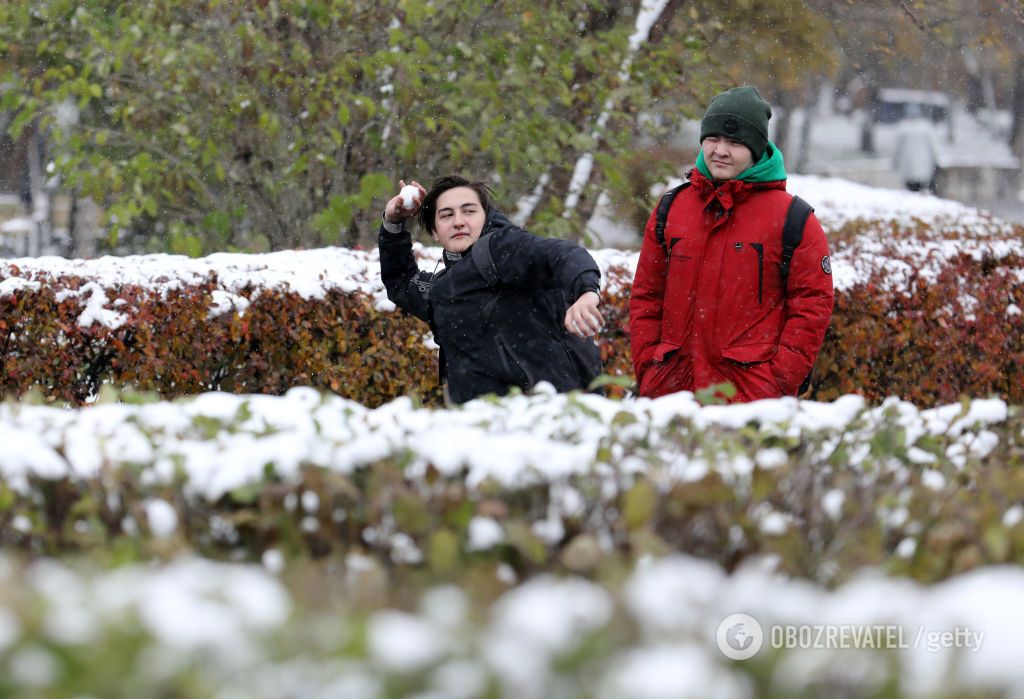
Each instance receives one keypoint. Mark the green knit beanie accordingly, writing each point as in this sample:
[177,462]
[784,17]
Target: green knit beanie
[740,114]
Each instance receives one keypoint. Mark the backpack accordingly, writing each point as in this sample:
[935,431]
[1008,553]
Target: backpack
[584,353]
[792,234]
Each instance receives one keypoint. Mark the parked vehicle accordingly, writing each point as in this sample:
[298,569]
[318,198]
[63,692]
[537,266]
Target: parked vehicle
[898,104]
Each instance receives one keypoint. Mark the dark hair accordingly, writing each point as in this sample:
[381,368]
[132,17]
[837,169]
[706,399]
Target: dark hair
[442,185]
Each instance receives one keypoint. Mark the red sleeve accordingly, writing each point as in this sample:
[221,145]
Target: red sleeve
[646,300]
[809,300]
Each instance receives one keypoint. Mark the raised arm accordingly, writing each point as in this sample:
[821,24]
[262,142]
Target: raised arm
[407,285]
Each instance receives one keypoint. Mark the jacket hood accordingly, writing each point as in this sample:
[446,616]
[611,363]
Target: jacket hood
[495,220]
[770,168]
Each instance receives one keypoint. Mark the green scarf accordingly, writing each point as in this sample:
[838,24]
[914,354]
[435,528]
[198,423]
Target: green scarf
[770,168]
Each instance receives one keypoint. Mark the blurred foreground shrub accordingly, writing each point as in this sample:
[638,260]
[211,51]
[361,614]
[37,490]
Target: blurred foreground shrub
[574,483]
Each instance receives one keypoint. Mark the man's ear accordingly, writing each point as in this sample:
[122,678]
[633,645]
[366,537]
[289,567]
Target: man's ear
[433,234]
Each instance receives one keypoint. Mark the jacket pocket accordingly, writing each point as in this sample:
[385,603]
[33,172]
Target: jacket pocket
[585,356]
[512,366]
[671,374]
[748,368]
[745,355]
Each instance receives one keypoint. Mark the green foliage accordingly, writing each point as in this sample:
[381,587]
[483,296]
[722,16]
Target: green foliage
[718,394]
[779,45]
[205,126]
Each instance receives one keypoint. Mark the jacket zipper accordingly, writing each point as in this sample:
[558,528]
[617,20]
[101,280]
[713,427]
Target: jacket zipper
[760,270]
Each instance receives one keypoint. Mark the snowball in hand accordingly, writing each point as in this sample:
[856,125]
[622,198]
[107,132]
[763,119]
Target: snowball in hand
[408,194]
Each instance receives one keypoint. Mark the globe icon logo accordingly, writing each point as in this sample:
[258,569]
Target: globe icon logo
[740,636]
[737,637]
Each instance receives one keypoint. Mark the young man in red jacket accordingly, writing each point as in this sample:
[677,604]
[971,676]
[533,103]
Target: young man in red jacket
[709,305]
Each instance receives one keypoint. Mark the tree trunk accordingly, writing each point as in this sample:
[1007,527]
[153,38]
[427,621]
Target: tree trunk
[783,120]
[1017,128]
[40,211]
[660,28]
[975,87]
[867,128]
[350,239]
[576,184]
[84,224]
[806,127]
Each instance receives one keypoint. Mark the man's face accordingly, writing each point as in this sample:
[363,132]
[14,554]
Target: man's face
[725,157]
[458,219]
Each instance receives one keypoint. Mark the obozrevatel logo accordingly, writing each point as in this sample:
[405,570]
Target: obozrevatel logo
[740,636]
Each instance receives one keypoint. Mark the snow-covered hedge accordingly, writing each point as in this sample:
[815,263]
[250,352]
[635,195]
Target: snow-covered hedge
[532,546]
[540,482]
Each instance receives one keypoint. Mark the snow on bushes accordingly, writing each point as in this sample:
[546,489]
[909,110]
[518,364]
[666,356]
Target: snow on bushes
[575,482]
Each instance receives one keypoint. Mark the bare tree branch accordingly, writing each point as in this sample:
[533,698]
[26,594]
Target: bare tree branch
[660,27]
[1015,9]
[902,4]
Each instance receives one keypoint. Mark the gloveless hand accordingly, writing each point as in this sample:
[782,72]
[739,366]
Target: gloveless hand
[583,319]
[396,211]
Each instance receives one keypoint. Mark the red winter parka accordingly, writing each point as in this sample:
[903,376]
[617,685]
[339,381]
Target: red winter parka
[713,310]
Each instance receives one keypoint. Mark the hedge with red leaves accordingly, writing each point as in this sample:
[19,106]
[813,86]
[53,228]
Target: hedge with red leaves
[929,341]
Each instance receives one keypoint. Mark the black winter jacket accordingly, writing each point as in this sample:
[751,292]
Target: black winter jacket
[510,333]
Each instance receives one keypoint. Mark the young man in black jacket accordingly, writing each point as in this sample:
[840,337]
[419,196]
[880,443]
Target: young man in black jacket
[520,310]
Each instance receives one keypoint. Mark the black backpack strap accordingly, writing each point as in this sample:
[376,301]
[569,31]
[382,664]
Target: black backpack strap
[482,260]
[663,206]
[792,234]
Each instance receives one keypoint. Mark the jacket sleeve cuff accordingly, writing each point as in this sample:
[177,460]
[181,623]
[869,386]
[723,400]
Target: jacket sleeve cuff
[588,281]
[392,228]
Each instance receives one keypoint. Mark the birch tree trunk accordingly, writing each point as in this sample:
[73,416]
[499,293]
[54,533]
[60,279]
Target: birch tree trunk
[652,15]
[649,14]
[1017,128]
